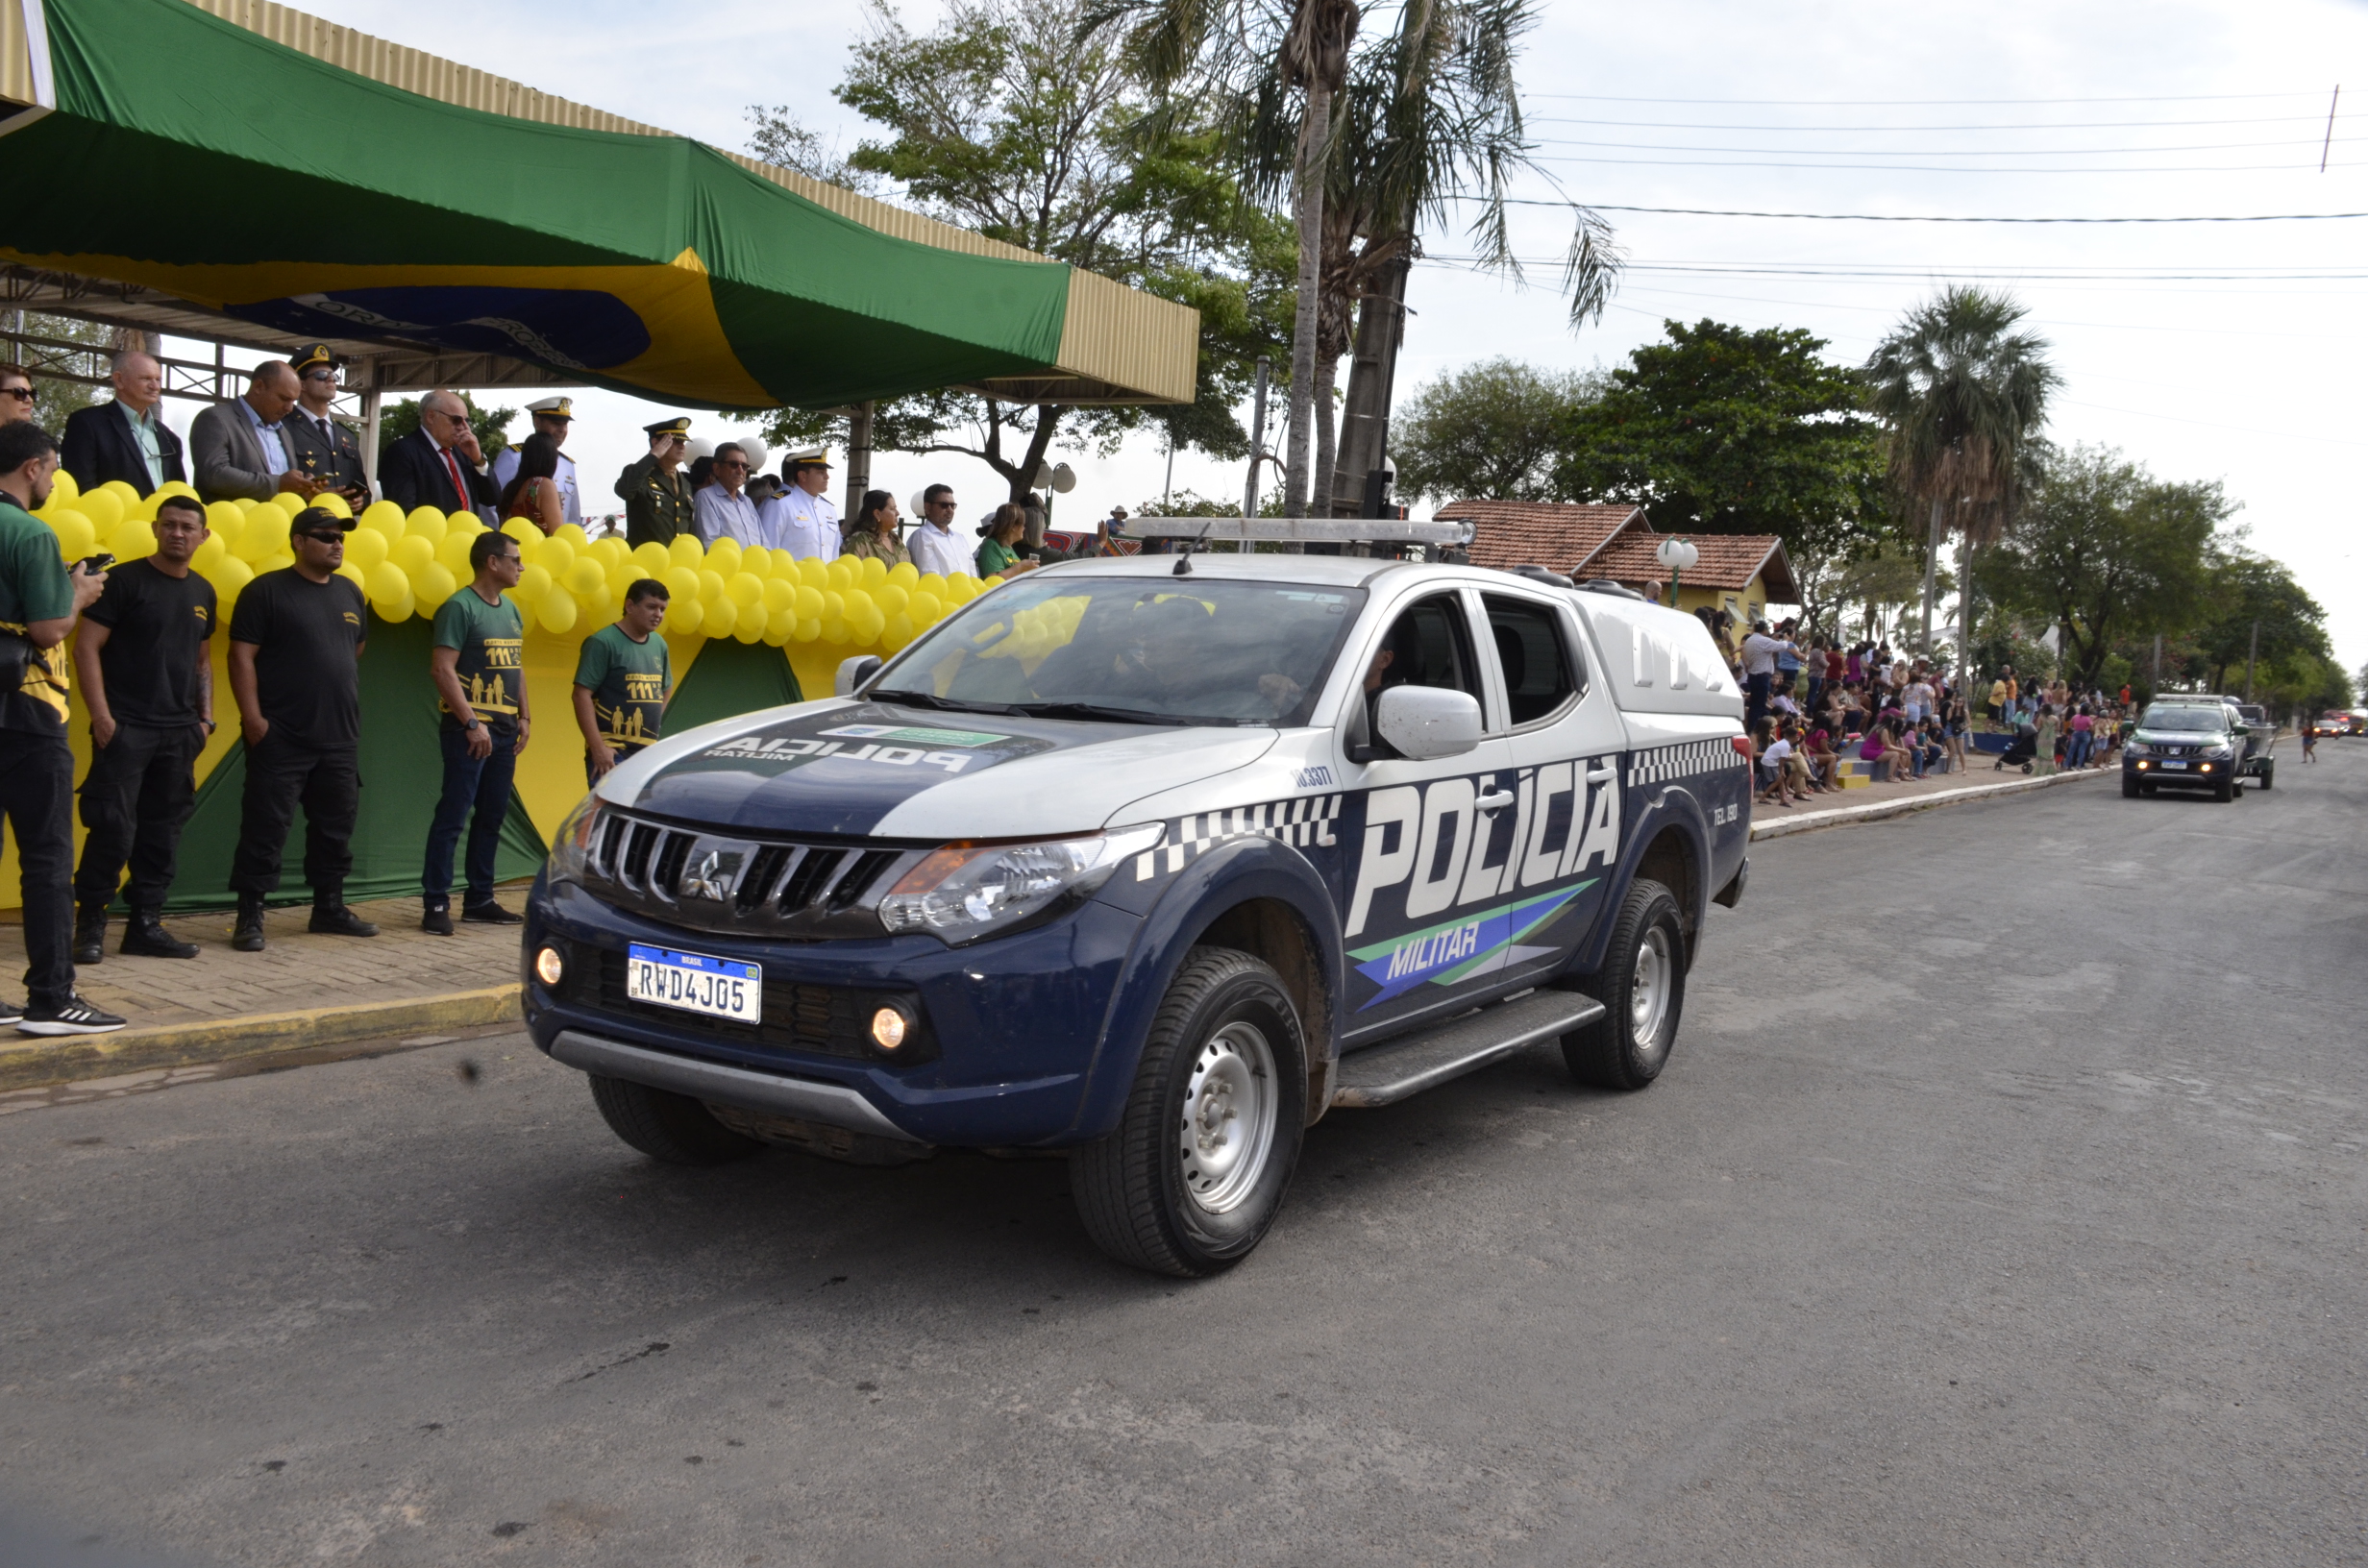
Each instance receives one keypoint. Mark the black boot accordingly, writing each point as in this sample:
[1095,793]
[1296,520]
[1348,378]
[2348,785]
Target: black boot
[332,919]
[436,918]
[90,933]
[248,934]
[144,937]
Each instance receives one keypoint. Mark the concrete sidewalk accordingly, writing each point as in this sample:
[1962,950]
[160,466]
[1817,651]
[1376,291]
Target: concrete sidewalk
[301,993]
[1873,802]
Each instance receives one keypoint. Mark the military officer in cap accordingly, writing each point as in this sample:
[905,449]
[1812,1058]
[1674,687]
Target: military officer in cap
[801,518]
[325,448]
[655,492]
[552,417]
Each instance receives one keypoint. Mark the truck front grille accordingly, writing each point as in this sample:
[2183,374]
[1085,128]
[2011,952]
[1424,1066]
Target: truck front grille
[711,881]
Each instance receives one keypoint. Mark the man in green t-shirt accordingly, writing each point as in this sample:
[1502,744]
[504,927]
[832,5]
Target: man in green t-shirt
[478,667]
[39,603]
[622,680]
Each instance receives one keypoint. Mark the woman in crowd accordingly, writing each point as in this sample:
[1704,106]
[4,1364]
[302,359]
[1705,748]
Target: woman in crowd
[1824,762]
[870,534]
[1958,723]
[533,491]
[2044,730]
[999,557]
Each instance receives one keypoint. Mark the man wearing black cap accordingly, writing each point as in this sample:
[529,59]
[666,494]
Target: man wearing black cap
[657,495]
[326,449]
[296,640]
[552,417]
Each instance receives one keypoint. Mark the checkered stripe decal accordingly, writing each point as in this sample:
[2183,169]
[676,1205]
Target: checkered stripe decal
[1664,763]
[1301,823]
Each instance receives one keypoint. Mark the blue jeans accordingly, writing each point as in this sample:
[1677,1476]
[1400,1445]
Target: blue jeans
[476,791]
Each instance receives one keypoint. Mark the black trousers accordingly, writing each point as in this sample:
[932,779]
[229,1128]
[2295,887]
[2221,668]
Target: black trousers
[36,796]
[281,774]
[138,797]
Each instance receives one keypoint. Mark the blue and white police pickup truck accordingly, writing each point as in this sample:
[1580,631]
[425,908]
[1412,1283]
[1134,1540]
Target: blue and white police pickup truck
[1155,860]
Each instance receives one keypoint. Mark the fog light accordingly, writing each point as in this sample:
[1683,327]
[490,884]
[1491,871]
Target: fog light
[2206,768]
[2141,766]
[549,966]
[888,1028]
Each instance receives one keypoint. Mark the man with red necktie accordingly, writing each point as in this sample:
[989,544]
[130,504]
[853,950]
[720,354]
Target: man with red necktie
[440,464]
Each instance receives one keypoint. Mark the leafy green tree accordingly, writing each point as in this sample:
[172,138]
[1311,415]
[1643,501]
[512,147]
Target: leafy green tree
[2252,593]
[1962,394]
[1720,430]
[1003,119]
[1493,430]
[56,398]
[2102,549]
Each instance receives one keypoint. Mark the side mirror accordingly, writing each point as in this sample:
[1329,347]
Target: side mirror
[854,672]
[1424,722]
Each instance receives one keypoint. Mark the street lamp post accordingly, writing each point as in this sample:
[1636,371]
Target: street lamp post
[1677,555]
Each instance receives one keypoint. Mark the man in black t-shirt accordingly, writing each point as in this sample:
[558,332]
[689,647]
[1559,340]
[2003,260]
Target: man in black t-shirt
[150,690]
[296,640]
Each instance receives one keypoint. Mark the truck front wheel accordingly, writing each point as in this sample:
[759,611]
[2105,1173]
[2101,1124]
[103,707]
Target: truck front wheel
[673,1129]
[1642,988]
[1197,1169]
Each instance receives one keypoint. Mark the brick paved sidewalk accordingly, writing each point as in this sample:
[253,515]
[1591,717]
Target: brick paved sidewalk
[302,991]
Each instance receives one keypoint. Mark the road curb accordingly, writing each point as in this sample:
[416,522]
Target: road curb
[29,1063]
[1877,810]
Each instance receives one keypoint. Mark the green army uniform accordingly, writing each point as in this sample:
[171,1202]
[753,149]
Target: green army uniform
[629,682]
[658,505]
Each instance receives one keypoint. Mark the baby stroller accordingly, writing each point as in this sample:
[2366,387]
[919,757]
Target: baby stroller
[2022,748]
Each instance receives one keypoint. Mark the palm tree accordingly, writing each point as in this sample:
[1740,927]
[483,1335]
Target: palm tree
[1965,395]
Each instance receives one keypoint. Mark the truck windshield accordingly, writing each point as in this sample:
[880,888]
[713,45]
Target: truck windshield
[1136,649]
[2200,720]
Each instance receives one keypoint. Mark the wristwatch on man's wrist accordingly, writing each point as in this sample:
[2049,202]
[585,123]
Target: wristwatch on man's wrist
[471,726]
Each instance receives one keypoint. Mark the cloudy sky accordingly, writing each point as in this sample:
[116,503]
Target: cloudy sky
[2206,351]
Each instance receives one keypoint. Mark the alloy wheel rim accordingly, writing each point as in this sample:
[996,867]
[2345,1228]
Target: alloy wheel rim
[1648,989]
[1228,1119]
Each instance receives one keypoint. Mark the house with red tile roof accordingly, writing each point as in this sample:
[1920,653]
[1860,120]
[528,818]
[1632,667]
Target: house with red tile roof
[1739,573]
[1558,536]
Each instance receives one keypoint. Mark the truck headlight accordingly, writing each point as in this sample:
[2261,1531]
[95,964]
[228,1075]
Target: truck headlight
[571,847]
[2137,748]
[967,891]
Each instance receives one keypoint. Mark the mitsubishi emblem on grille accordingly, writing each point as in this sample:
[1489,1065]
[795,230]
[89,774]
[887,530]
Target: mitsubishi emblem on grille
[711,876]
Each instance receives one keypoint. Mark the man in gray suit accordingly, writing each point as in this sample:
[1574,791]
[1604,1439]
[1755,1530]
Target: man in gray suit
[238,449]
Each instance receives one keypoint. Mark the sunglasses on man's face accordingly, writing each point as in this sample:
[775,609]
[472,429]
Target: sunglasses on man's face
[325,536]
[729,462]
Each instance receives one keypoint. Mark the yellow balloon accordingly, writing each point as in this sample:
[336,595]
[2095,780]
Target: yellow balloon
[554,554]
[925,609]
[746,588]
[331,500]
[809,604]
[750,627]
[131,540]
[836,633]
[555,611]
[683,587]
[710,585]
[76,537]
[905,575]
[835,606]
[873,572]
[780,629]
[684,551]
[209,555]
[583,575]
[898,630]
[964,588]
[930,583]
[529,537]
[383,517]
[365,547]
[225,520]
[785,568]
[146,509]
[413,552]
[814,572]
[808,630]
[684,615]
[289,501]
[756,558]
[841,573]
[780,596]
[722,616]
[573,533]
[228,576]
[623,575]
[652,558]
[353,575]
[434,583]
[385,582]
[104,507]
[453,555]
[63,489]
[611,551]
[121,490]
[891,597]
[429,524]
[263,535]
[277,561]
[534,583]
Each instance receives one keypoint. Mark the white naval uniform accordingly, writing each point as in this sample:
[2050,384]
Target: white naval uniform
[806,526]
[571,506]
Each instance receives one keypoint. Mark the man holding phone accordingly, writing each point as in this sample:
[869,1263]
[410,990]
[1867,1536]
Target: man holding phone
[296,642]
[149,686]
[39,603]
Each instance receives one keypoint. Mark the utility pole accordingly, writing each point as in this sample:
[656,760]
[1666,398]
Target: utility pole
[2156,689]
[2253,650]
[1257,451]
[1372,379]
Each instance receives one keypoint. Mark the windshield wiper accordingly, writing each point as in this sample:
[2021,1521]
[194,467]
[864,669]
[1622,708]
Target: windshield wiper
[947,704]
[1096,710]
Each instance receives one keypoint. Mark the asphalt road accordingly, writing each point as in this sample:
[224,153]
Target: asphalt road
[2003,1202]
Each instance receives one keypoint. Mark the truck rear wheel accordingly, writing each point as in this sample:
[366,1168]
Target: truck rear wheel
[1642,988]
[673,1129]
[1197,1169]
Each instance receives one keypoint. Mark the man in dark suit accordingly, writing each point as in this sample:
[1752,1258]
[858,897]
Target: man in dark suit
[126,439]
[440,464]
[324,447]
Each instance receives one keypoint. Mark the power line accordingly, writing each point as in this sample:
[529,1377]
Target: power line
[1913,218]
[1932,103]
[1932,152]
[2027,125]
[1941,168]
[1911,271]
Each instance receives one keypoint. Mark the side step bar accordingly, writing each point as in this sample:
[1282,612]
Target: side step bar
[1387,1075]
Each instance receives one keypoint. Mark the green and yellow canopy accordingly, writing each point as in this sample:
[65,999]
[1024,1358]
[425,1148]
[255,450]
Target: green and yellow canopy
[309,180]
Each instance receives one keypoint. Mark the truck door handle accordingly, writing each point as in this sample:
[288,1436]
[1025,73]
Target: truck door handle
[1494,800]
[1597,775]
